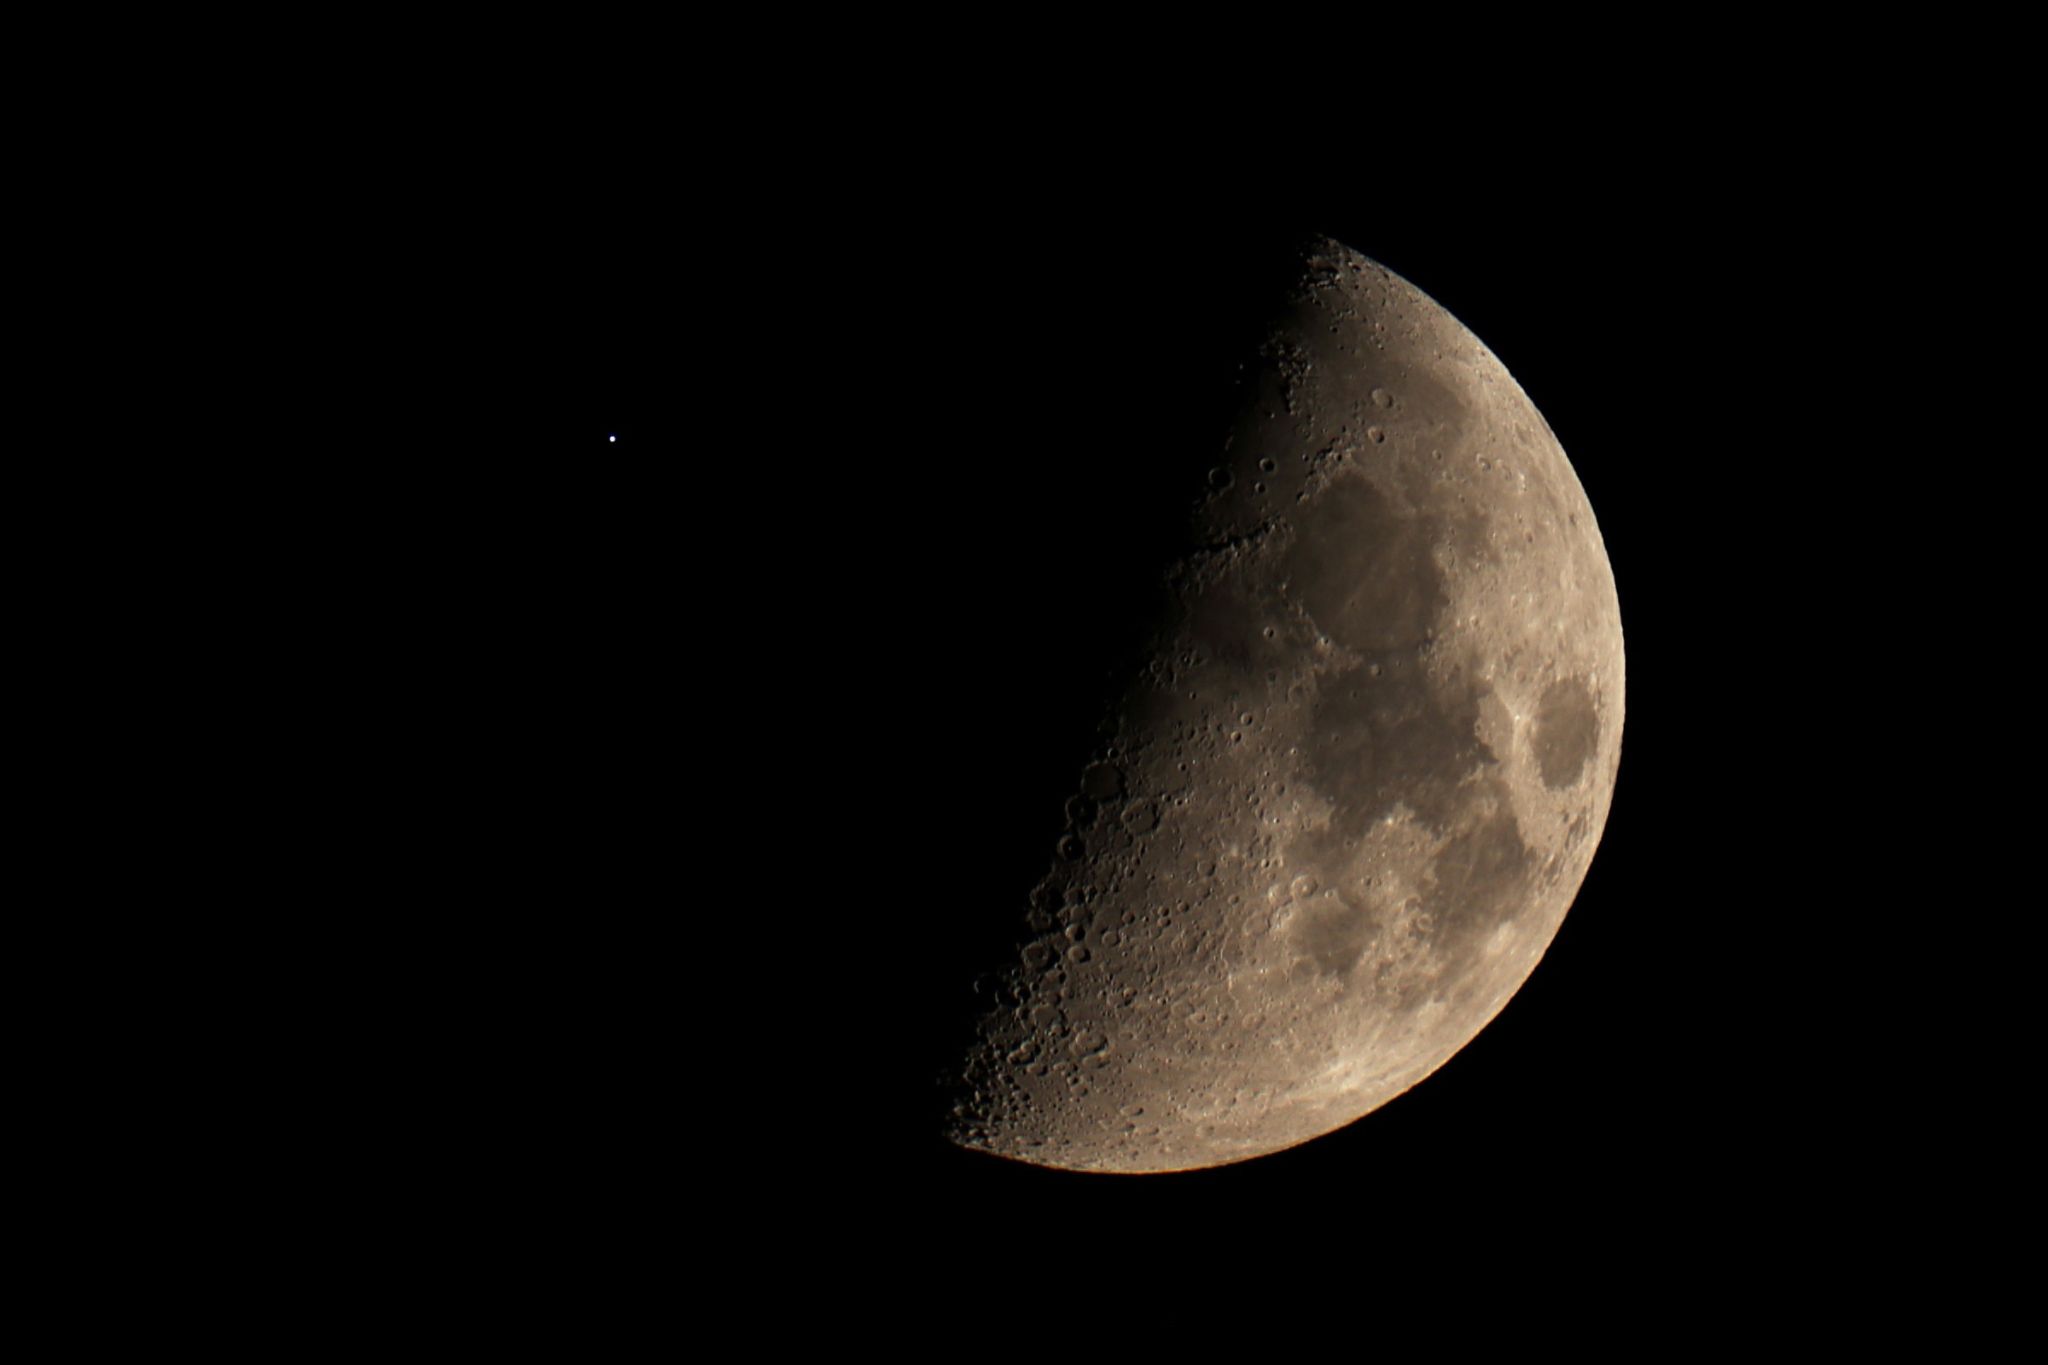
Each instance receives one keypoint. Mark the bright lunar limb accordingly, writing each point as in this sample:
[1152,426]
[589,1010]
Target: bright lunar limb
[1352,794]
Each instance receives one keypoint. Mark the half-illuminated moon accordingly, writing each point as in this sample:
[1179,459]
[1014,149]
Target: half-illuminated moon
[1350,798]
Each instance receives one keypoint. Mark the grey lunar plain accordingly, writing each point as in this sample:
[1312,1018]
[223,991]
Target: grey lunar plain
[1350,799]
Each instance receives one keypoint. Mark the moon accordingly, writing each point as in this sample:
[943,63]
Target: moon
[1344,805]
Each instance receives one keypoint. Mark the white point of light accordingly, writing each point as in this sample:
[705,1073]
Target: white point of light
[611,438]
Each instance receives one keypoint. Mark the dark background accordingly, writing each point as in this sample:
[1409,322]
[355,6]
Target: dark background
[580,849]
[812,649]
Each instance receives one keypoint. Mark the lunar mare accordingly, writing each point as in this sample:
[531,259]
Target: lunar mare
[1341,812]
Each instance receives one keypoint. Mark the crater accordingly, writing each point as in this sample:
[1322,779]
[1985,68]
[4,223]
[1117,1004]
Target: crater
[1567,729]
[1334,933]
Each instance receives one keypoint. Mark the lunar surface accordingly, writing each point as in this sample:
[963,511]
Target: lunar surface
[1343,809]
